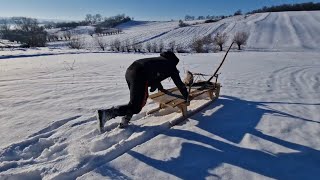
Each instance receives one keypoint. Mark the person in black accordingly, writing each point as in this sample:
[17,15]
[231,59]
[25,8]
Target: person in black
[140,75]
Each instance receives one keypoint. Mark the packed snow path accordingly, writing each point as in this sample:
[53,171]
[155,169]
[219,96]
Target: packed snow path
[265,125]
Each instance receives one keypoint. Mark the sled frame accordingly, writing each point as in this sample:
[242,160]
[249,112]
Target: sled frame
[173,98]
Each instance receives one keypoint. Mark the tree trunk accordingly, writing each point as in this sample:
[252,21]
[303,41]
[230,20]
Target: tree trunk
[239,46]
[220,47]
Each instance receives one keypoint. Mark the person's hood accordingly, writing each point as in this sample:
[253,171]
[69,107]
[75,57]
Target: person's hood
[170,56]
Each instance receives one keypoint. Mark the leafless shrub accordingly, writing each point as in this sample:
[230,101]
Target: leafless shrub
[154,47]
[76,43]
[197,45]
[207,40]
[136,46]
[122,48]
[127,45]
[180,49]
[101,43]
[172,46]
[182,24]
[240,38]
[116,45]
[148,46]
[220,39]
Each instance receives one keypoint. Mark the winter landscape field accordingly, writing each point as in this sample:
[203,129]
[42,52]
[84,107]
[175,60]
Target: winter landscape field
[265,124]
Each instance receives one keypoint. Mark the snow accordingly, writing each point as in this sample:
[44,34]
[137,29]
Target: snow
[265,125]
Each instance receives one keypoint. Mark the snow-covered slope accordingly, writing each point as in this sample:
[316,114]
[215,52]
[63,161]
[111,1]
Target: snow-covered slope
[265,125]
[289,31]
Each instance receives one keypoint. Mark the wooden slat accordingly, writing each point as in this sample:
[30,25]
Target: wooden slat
[174,97]
[166,98]
[176,102]
[152,96]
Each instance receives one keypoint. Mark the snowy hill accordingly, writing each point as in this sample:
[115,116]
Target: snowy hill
[265,125]
[289,31]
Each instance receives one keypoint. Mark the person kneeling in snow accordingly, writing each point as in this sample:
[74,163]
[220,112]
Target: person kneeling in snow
[140,75]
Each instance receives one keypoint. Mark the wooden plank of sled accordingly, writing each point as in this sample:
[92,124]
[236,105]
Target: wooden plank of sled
[166,98]
[152,96]
[175,99]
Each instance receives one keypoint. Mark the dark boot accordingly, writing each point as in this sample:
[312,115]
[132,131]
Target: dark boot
[104,115]
[125,121]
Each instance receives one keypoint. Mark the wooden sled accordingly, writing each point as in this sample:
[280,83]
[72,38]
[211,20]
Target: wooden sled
[173,98]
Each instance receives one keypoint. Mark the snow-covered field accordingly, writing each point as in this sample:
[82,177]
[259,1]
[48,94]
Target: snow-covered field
[265,125]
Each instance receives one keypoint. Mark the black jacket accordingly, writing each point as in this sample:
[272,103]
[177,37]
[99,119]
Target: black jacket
[157,69]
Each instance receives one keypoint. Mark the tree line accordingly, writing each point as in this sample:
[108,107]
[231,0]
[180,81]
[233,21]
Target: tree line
[309,6]
[95,20]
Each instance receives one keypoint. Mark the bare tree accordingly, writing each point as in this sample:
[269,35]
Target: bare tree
[89,18]
[139,47]
[116,45]
[161,46]
[127,45]
[148,46]
[101,43]
[220,39]
[154,47]
[240,38]
[122,47]
[96,18]
[67,35]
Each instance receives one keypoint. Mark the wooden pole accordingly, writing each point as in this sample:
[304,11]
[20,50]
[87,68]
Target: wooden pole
[224,58]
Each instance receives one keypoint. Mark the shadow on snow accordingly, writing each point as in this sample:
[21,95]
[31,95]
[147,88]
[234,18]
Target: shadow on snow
[236,118]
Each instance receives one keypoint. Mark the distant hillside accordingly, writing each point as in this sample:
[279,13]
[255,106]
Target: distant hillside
[290,31]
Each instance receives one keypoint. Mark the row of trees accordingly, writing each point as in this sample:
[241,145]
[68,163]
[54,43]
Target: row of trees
[309,6]
[26,31]
[199,45]
[95,20]
[204,44]
[208,17]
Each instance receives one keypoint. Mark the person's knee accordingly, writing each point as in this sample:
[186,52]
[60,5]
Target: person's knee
[136,109]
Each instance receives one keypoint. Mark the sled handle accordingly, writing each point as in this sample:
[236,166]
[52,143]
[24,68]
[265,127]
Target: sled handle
[224,58]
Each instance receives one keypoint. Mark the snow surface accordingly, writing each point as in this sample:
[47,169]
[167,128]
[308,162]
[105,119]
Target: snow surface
[265,125]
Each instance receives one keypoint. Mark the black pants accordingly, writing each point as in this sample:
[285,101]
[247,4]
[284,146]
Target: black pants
[138,87]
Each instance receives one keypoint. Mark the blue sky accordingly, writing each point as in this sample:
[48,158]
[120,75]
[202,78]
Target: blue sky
[138,9]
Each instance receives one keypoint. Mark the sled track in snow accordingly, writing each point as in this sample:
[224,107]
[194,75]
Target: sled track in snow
[297,82]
